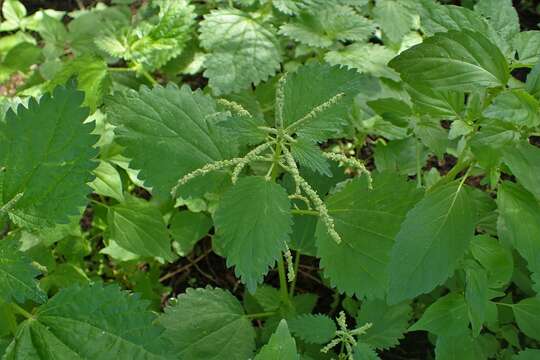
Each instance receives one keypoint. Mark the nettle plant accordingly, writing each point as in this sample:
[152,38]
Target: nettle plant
[440,235]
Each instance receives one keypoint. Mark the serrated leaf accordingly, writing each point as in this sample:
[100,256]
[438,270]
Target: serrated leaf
[313,329]
[476,296]
[394,18]
[367,58]
[187,228]
[519,222]
[299,102]
[90,322]
[364,352]
[17,275]
[527,354]
[445,317]
[389,323]
[108,181]
[501,15]
[280,347]
[46,154]
[138,226]
[532,84]
[463,347]
[309,154]
[524,162]
[439,104]
[527,313]
[515,106]
[527,46]
[461,61]
[432,240]
[254,222]
[495,258]
[92,76]
[489,143]
[167,132]
[242,50]
[323,26]
[213,315]
[358,265]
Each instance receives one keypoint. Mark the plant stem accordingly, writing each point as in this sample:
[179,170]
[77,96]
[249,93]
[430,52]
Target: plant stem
[121,69]
[21,311]
[277,157]
[149,77]
[296,265]
[418,165]
[261,315]
[283,280]
[304,212]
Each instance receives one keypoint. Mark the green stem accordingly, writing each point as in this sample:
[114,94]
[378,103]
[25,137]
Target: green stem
[261,315]
[296,265]
[149,77]
[21,311]
[283,280]
[305,212]
[418,165]
[277,158]
[504,304]
[121,69]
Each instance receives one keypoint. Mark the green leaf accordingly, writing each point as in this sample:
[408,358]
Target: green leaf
[367,58]
[108,181]
[432,135]
[242,50]
[533,81]
[463,347]
[476,296]
[91,322]
[439,104]
[495,258]
[358,265]
[167,132]
[309,154]
[432,240]
[92,78]
[46,154]
[138,226]
[524,162]
[519,222]
[515,106]
[323,26]
[395,19]
[280,347]
[208,324]
[399,156]
[298,103]
[254,223]
[313,329]
[445,317]
[454,60]
[389,323]
[364,352]
[527,47]
[187,228]
[501,15]
[527,313]
[13,11]
[527,354]
[17,275]
[489,144]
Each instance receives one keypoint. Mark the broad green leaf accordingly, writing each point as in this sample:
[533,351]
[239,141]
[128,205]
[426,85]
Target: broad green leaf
[358,265]
[366,58]
[524,162]
[432,135]
[19,58]
[395,19]
[13,11]
[490,142]
[439,104]
[476,296]
[90,322]
[108,181]
[527,354]
[138,226]
[533,81]
[242,51]
[17,275]
[515,106]
[519,222]
[455,60]
[495,258]
[309,155]
[399,156]
[364,352]
[298,102]
[254,223]
[187,228]
[208,324]
[463,347]
[445,317]
[502,15]
[527,47]
[167,132]
[92,77]
[432,240]
[46,154]
[280,347]
[389,323]
[527,313]
[313,329]
[323,26]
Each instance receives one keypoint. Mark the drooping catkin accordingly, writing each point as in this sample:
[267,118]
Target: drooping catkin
[280,101]
[250,156]
[313,113]
[351,162]
[234,107]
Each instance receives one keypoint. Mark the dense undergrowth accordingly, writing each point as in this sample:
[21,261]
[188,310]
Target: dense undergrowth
[269,179]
